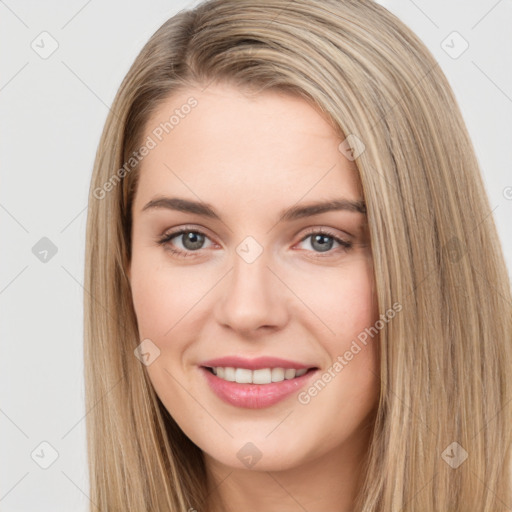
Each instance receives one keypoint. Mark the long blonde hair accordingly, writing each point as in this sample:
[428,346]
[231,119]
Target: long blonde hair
[446,359]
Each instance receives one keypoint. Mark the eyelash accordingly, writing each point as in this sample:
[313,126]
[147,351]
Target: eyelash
[345,245]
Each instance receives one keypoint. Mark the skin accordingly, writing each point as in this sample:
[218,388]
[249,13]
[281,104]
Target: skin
[250,156]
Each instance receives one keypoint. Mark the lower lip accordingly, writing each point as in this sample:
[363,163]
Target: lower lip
[254,396]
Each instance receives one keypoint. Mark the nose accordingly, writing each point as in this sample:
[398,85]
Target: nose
[253,299]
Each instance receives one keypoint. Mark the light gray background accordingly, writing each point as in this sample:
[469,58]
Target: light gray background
[52,114]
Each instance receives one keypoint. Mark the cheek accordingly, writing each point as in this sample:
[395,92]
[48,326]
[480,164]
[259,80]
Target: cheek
[153,306]
[344,300]
[357,303]
[161,294]
[346,304]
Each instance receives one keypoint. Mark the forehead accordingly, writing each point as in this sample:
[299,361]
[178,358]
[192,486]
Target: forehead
[269,148]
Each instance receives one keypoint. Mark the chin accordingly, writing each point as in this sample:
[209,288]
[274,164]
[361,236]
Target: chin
[258,455]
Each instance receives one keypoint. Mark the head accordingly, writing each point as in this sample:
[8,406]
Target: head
[267,116]
[251,283]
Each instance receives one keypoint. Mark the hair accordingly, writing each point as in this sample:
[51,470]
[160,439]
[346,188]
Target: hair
[445,359]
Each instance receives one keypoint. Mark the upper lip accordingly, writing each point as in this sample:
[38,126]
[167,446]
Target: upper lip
[256,363]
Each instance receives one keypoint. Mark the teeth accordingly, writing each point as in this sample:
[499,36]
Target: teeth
[277,374]
[243,376]
[229,374]
[262,376]
[289,373]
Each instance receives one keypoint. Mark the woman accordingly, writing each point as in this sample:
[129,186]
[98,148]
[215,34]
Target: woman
[296,298]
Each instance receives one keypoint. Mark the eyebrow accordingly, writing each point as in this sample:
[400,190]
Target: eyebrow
[289,214]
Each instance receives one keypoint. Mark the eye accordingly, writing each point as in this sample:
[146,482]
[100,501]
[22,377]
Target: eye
[192,241]
[322,241]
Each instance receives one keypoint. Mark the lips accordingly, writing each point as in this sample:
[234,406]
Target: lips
[255,395]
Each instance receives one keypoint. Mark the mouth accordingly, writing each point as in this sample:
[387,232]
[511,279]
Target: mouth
[256,388]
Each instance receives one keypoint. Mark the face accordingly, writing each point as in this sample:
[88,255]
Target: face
[234,294]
